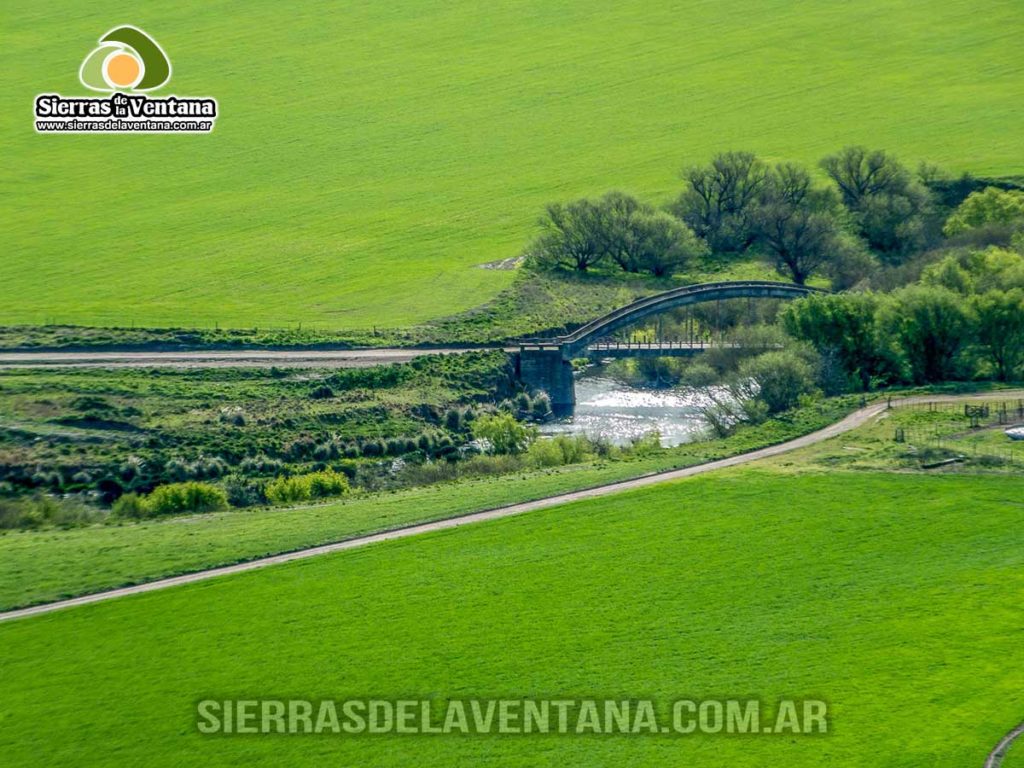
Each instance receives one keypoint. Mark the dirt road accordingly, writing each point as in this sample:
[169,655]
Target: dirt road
[241,358]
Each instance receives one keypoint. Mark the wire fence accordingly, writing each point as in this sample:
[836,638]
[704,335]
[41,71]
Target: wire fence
[975,418]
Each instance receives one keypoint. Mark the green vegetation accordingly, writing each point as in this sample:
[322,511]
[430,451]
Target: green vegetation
[314,485]
[105,433]
[617,228]
[902,616]
[965,319]
[991,207]
[874,216]
[172,499]
[961,437]
[45,565]
[425,141]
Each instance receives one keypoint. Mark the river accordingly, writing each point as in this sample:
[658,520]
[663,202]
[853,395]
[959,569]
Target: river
[612,410]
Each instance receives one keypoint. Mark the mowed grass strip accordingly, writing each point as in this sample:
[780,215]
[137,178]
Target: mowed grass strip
[368,156]
[894,597]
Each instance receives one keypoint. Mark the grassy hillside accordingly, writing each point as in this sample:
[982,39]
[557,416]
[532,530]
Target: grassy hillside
[369,156]
[904,617]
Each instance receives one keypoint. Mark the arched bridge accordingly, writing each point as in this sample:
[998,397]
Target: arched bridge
[544,363]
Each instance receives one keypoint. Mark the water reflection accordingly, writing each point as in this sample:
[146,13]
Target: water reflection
[614,411]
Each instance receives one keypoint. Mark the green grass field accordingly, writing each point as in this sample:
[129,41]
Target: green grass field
[45,565]
[903,616]
[369,156]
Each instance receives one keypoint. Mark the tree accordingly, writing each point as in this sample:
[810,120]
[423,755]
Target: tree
[991,206]
[503,433]
[999,329]
[619,236]
[718,198]
[796,222]
[927,328]
[842,325]
[970,272]
[570,236]
[666,244]
[887,205]
[781,377]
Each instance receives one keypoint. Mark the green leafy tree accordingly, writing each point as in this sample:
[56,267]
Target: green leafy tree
[796,222]
[978,271]
[887,205]
[570,236]
[617,232]
[718,199]
[999,329]
[843,325]
[781,376]
[666,244]
[927,327]
[990,206]
[503,433]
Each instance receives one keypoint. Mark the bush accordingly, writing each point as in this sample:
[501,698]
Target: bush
[540,409]
[559,450]
[992,206]
[130,506]
[315,485]
[648,443]
[42,511]
[243,493]
[927,328]
[327,484]
[288,490]
[781,378]
[503,433]
[185,498]
[698,375]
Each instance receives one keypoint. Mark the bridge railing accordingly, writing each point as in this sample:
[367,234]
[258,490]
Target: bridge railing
[676,293]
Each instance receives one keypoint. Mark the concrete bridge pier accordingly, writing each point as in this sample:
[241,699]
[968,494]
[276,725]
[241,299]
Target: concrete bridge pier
[546,368]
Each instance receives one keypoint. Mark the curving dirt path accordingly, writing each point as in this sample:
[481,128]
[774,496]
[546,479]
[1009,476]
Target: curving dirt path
[998,754]
[854,420]
[220,358]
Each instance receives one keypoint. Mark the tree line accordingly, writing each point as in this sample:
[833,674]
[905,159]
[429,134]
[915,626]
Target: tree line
[872,213]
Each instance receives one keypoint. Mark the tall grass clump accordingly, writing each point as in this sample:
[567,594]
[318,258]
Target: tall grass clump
[315,485]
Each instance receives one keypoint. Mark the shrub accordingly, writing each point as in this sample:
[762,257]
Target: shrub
[41,511]
[453,420]
[327,483]
[243,493]
[260,465]
[503,433]
[987,207]
[131,505]
[698,375]
[647,444]
[288,490]
[315,485]
[558,451]
[185,498]
[927,328]
[540,409]
[373,448]
[781,377]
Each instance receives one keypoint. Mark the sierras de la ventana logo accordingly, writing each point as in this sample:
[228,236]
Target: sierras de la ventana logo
[128,65]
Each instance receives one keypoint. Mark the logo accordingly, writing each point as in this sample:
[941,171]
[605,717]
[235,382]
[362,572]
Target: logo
[127,65]
[127,59]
